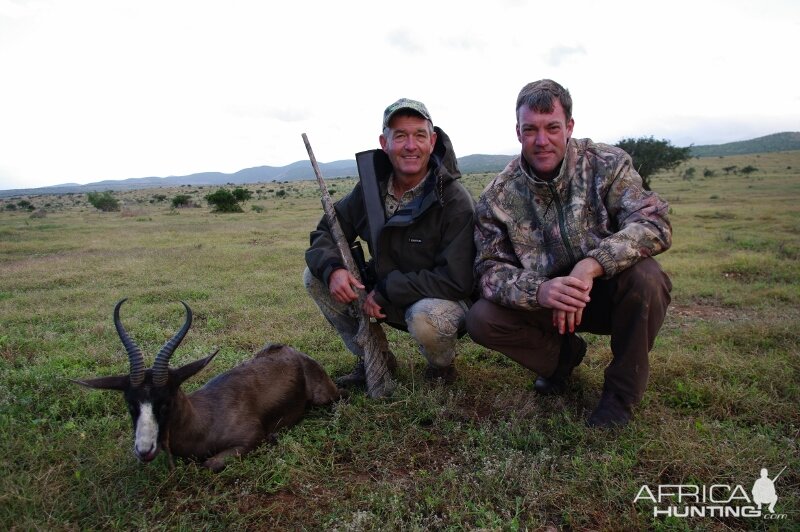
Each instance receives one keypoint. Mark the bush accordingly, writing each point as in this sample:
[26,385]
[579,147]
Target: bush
[224,201]
[105,201]
[25,204]
[749,169]
[182,200]
[242,194]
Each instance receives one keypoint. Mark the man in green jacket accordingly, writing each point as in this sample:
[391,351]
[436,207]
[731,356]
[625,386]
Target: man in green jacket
[565,237]
[423,257]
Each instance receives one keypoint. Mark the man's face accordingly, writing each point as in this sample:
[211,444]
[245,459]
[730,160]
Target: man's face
[409,146]
[544,138]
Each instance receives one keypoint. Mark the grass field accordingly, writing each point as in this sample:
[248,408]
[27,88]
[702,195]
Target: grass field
[485,453]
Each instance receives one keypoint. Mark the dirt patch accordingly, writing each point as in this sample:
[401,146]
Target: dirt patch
[476,411]
[282,502]
[706,312]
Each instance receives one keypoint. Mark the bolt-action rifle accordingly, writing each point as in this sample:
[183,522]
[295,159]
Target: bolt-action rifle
[370,336]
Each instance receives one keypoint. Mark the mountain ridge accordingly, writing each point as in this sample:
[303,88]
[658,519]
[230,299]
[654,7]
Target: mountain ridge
[301,170]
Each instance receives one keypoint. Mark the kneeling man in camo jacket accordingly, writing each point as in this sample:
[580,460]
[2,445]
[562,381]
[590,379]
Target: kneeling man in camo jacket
[565,237]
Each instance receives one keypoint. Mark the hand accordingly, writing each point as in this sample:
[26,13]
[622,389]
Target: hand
[341,283]
[586,270]
[371,307]
[568,296]
[566,321]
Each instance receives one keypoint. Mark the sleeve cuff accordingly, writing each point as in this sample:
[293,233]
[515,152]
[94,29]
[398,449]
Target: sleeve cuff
[606,260]
[328,268]
[382,294]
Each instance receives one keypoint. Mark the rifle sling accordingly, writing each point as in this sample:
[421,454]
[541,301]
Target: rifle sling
[373,204]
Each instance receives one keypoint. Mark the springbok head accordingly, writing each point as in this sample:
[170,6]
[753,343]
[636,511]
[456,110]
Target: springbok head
[149,393]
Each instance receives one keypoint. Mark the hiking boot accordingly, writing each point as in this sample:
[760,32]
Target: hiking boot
[358,377]
[573,349]
[444,374]
[611,411]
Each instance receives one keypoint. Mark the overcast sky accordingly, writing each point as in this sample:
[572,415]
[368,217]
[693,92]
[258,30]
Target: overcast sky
[106,89]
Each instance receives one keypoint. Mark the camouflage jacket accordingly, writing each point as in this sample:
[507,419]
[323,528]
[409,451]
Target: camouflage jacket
[529,230]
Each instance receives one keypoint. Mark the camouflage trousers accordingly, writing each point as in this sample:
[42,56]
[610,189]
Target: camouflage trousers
[434,324]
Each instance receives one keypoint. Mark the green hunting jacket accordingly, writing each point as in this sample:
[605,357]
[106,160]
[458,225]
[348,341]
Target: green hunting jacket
[424,252]
[529,230]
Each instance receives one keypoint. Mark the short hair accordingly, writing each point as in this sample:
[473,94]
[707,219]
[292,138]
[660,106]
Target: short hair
[408,112]
[540,95]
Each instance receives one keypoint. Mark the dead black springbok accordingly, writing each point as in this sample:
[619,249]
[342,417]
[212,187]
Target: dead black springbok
[229,416]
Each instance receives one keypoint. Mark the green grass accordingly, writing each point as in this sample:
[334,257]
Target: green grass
[485,453]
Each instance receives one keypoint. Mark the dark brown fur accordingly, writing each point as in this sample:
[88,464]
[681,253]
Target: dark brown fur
[236,410]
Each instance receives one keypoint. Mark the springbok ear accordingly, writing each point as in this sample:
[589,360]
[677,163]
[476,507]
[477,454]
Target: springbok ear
[117,382]
[184,372]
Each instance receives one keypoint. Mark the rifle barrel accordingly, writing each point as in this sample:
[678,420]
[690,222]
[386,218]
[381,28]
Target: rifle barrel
[336,229]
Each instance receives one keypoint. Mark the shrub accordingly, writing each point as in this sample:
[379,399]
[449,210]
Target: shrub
[105,201]
[242,194]
[182,200]
[224,201]
[749,169]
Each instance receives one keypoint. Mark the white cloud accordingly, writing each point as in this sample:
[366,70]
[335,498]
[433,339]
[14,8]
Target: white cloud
[405,41]
[560,54]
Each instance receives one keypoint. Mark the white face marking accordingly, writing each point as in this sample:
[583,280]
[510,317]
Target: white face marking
[146,433]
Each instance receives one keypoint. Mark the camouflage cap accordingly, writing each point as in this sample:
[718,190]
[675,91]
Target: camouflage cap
[405,103]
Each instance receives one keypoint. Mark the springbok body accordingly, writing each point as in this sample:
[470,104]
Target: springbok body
[231,415]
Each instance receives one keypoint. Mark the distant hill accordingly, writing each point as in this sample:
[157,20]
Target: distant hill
[301,170]
[260,174]
[787,141]
[483,164]
[297,171]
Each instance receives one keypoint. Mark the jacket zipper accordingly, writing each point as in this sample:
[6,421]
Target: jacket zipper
[562,223]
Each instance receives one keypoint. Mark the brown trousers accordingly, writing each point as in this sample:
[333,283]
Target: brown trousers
[630,307]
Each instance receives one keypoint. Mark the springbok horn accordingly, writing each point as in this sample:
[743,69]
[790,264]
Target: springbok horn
[134,353]
[161,364]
